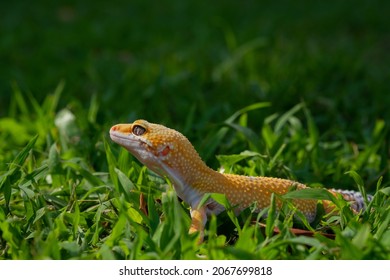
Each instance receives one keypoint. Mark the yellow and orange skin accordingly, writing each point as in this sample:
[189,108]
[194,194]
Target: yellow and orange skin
[169,153]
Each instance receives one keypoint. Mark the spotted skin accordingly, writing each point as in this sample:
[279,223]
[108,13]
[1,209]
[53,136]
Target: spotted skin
[169,153]
[356,199]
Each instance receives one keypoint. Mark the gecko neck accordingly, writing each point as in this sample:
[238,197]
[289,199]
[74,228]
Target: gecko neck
[193,179]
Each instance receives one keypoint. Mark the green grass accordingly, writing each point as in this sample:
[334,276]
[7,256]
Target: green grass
[297,92]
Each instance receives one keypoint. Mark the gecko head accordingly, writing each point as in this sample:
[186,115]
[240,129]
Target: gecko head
[154,145]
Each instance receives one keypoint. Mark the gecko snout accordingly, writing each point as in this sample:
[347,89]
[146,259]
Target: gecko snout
[124,128]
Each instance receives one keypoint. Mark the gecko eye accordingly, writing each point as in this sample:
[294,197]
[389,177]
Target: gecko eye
[138,130]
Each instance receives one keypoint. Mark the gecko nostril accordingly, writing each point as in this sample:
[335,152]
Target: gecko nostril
[114,128]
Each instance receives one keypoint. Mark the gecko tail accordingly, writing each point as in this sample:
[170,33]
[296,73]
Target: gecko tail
[355,197]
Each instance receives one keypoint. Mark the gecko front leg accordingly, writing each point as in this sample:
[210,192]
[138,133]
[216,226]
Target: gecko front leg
[198,221]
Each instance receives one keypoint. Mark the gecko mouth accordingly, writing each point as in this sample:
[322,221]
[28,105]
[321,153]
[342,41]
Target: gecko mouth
[123,139]
[117,134]
[128,140]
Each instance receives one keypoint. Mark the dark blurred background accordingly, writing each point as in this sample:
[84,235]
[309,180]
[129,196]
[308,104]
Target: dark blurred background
[157,60]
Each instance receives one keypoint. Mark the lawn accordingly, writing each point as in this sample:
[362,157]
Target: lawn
[296,90]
